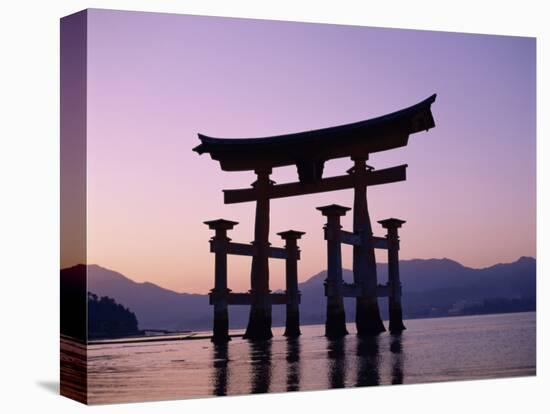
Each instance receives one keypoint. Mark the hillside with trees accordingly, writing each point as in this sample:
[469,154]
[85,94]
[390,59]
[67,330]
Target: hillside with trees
[107,319]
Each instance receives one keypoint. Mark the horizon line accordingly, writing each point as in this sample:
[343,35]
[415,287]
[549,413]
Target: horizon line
[313,275]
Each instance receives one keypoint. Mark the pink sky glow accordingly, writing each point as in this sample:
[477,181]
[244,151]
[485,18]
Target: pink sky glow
[156,80]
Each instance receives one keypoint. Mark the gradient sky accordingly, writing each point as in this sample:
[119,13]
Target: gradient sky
[156,80]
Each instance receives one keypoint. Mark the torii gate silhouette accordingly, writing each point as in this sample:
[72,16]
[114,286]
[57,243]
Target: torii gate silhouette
[309,151]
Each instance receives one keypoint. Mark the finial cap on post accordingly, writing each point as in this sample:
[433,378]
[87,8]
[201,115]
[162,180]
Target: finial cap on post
[333,210]
[221,224]
[291,234]
[391,223]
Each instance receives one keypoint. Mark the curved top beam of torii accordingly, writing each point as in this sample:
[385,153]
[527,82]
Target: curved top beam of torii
[310,149]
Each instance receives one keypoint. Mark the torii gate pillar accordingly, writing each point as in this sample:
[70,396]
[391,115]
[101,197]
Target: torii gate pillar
[367,313]
[259,322]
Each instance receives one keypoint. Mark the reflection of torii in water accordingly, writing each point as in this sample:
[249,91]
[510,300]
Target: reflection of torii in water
[309,151]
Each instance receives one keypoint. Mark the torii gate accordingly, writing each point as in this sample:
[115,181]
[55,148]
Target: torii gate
[309,151]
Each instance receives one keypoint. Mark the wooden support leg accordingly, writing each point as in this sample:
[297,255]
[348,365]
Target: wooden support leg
[221,321]
[292,325]
[335,325]
[395,308]
[219,295]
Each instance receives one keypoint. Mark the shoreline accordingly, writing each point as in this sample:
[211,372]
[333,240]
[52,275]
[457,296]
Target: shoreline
[189,336]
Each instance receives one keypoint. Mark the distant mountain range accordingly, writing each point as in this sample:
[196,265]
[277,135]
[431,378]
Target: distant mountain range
[431,288]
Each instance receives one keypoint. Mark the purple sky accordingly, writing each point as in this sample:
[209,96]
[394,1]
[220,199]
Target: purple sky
[156,80]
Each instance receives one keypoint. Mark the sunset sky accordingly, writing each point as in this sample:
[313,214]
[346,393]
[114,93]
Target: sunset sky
[156,80]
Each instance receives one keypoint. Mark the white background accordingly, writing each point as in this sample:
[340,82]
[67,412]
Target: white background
[29,191]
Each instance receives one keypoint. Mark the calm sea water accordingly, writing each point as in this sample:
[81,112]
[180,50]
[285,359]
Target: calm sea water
[444,349]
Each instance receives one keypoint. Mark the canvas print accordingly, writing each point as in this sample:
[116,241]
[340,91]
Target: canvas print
[254,206]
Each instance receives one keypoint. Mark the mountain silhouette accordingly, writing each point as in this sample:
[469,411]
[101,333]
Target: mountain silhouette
[431,287]
[154,306]
[434,287]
